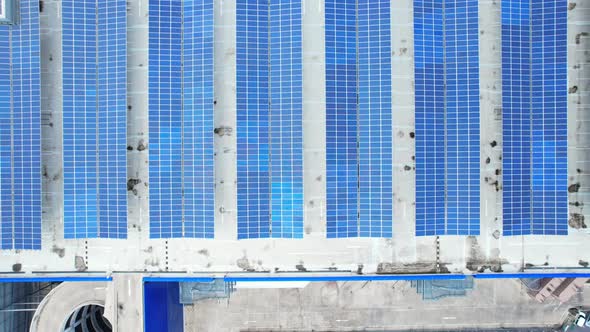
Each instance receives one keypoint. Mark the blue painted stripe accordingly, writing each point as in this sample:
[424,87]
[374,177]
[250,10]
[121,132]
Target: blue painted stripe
[531,275]
[54,279]
[172,279]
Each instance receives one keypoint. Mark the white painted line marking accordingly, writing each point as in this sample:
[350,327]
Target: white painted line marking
[447,318]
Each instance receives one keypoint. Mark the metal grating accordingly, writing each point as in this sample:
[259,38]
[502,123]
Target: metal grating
[182,182]
[534,98]
[358,119]
[94,118]
[20,131]
[269,115]
[447,117]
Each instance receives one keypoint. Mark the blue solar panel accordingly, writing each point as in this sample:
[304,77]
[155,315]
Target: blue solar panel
[286,132]
[534,103]
[341,119]
[182,184]
[94,117]
[269,115]
[374,118]
[358,119]
[20,131]
[447,117]
[199,182]
[462,117]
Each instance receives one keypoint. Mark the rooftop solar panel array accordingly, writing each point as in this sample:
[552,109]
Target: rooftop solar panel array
[94,118]
[269,115]
[20,131]
[534,103]
[182,184]
[358,118]
[447,117]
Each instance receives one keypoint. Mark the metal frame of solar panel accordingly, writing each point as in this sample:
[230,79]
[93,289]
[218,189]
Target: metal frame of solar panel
[20,131]
[7,11]
[269,117]
[358,119]
[95,118]
[182,184]
[447,117]
[534,109]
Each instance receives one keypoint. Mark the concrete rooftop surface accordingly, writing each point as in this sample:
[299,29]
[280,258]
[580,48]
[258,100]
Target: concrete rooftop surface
[402,253]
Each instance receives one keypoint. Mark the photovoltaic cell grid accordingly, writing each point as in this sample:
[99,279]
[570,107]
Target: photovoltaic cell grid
[447,117]
[429,71]
[20,131]
[358,119]
[253,115]
[341,118]
[534,83]
[94,118]
[374,118]
[182,186]
[198,175]
[462,117]
[286,132]
[269,115]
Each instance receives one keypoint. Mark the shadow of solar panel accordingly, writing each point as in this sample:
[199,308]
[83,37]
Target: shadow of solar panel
[447,117]
[181,171]
[534,103]
[94,118]
[20,131]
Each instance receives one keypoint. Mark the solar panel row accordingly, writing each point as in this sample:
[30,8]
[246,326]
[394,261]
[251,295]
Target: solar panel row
[286,127]
[269,117]
[534,103]
[182,185]
[358,118]
[20,131]
[94,118]
[341,119]
[447,117]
